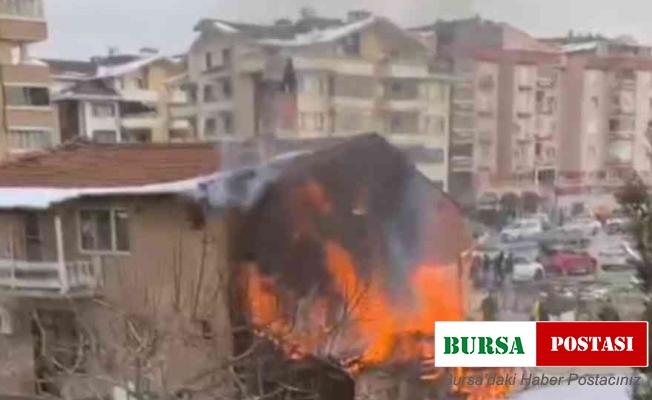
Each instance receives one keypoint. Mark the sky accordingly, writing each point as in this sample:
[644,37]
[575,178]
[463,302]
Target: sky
[84,28]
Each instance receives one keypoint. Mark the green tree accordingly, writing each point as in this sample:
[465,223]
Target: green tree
[635,199]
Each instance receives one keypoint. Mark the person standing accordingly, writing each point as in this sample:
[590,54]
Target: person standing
[489,308]
[540,309]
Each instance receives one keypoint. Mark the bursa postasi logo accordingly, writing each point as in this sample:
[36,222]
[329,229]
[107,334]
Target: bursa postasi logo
[543,344]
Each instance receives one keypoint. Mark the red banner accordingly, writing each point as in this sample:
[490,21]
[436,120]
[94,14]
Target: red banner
[592,344]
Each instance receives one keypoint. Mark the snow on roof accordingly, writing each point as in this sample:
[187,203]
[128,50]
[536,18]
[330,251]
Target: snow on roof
[44,198]
[577,47]
[224,27]
[323,35]
[111,71]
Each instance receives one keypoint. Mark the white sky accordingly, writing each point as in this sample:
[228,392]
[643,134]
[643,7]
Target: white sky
[82,28]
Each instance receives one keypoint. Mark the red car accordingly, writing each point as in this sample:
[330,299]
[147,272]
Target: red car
[568,262]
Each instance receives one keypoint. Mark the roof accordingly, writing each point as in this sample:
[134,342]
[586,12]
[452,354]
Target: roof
[86,88]
[322,35]
[303,32]
[103,67]
[85,165]
[118,69]
[71,67]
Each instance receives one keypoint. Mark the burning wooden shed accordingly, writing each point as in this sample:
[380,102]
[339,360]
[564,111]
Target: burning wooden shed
[347,256]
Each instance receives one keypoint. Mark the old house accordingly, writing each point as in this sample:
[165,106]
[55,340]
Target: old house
[92,238]
[117,98]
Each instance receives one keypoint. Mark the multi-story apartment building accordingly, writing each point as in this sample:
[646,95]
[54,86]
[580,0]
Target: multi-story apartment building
[27,120]
[315,78]
[116,98]
[608,106]
[505,107]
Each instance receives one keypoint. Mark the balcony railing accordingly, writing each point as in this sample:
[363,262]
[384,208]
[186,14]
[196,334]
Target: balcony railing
[48,278]
[22,8]
[461,163]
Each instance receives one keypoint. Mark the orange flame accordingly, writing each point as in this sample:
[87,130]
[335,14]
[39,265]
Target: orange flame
[359,320]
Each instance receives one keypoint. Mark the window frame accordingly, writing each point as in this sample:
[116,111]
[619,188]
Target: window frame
[114,238]
[47,131]
[24,86]
[95,105]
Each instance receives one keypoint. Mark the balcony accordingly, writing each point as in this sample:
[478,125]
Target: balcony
[140,95]
[47,279]
[461,136]
[22,21]
[32,116]
[461,163]
[26,74]
[140,121]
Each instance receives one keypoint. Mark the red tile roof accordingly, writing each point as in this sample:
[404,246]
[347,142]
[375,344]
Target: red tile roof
[84,165]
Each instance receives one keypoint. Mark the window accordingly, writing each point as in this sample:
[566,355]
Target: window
[538,149]
[137,136]
[27,96]
[29,139]
[596,102]
[351,44]
[227,122]
[209,94]
[210,127]
[105,230]
[320,122]
[226,56]
[23,8]
[103,110]
[208,60]
[227,89]
[105,136]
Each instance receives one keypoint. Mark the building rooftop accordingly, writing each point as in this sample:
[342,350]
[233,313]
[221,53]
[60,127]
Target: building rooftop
[71,67]
[84,165]
[305,31]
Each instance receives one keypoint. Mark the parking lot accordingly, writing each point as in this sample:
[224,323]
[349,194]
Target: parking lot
[568,295]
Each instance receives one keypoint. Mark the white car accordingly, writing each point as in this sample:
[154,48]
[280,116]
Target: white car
[521,229]
[619,256]
[527,270]
[613,258]
[584,226]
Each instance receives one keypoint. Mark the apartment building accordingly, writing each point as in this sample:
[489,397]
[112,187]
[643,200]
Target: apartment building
[27,120]
[608,106]
[505,107]
[318,78]
[117,98]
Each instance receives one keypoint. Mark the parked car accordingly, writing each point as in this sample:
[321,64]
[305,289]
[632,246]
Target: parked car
[586,226]
[615,226]
[522,229]
[526,270]
[614,257]
[569,262]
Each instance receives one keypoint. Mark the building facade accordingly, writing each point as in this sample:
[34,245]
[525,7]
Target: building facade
[117,98]
[504,120]
[27,120]
[316,78]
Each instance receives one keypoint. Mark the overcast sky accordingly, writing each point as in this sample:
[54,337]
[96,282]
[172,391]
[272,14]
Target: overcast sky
[82,28]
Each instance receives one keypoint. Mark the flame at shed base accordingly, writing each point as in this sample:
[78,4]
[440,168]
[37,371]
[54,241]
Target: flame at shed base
[359,321]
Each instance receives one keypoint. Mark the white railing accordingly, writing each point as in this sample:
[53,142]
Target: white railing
[22,8]
[46,277]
